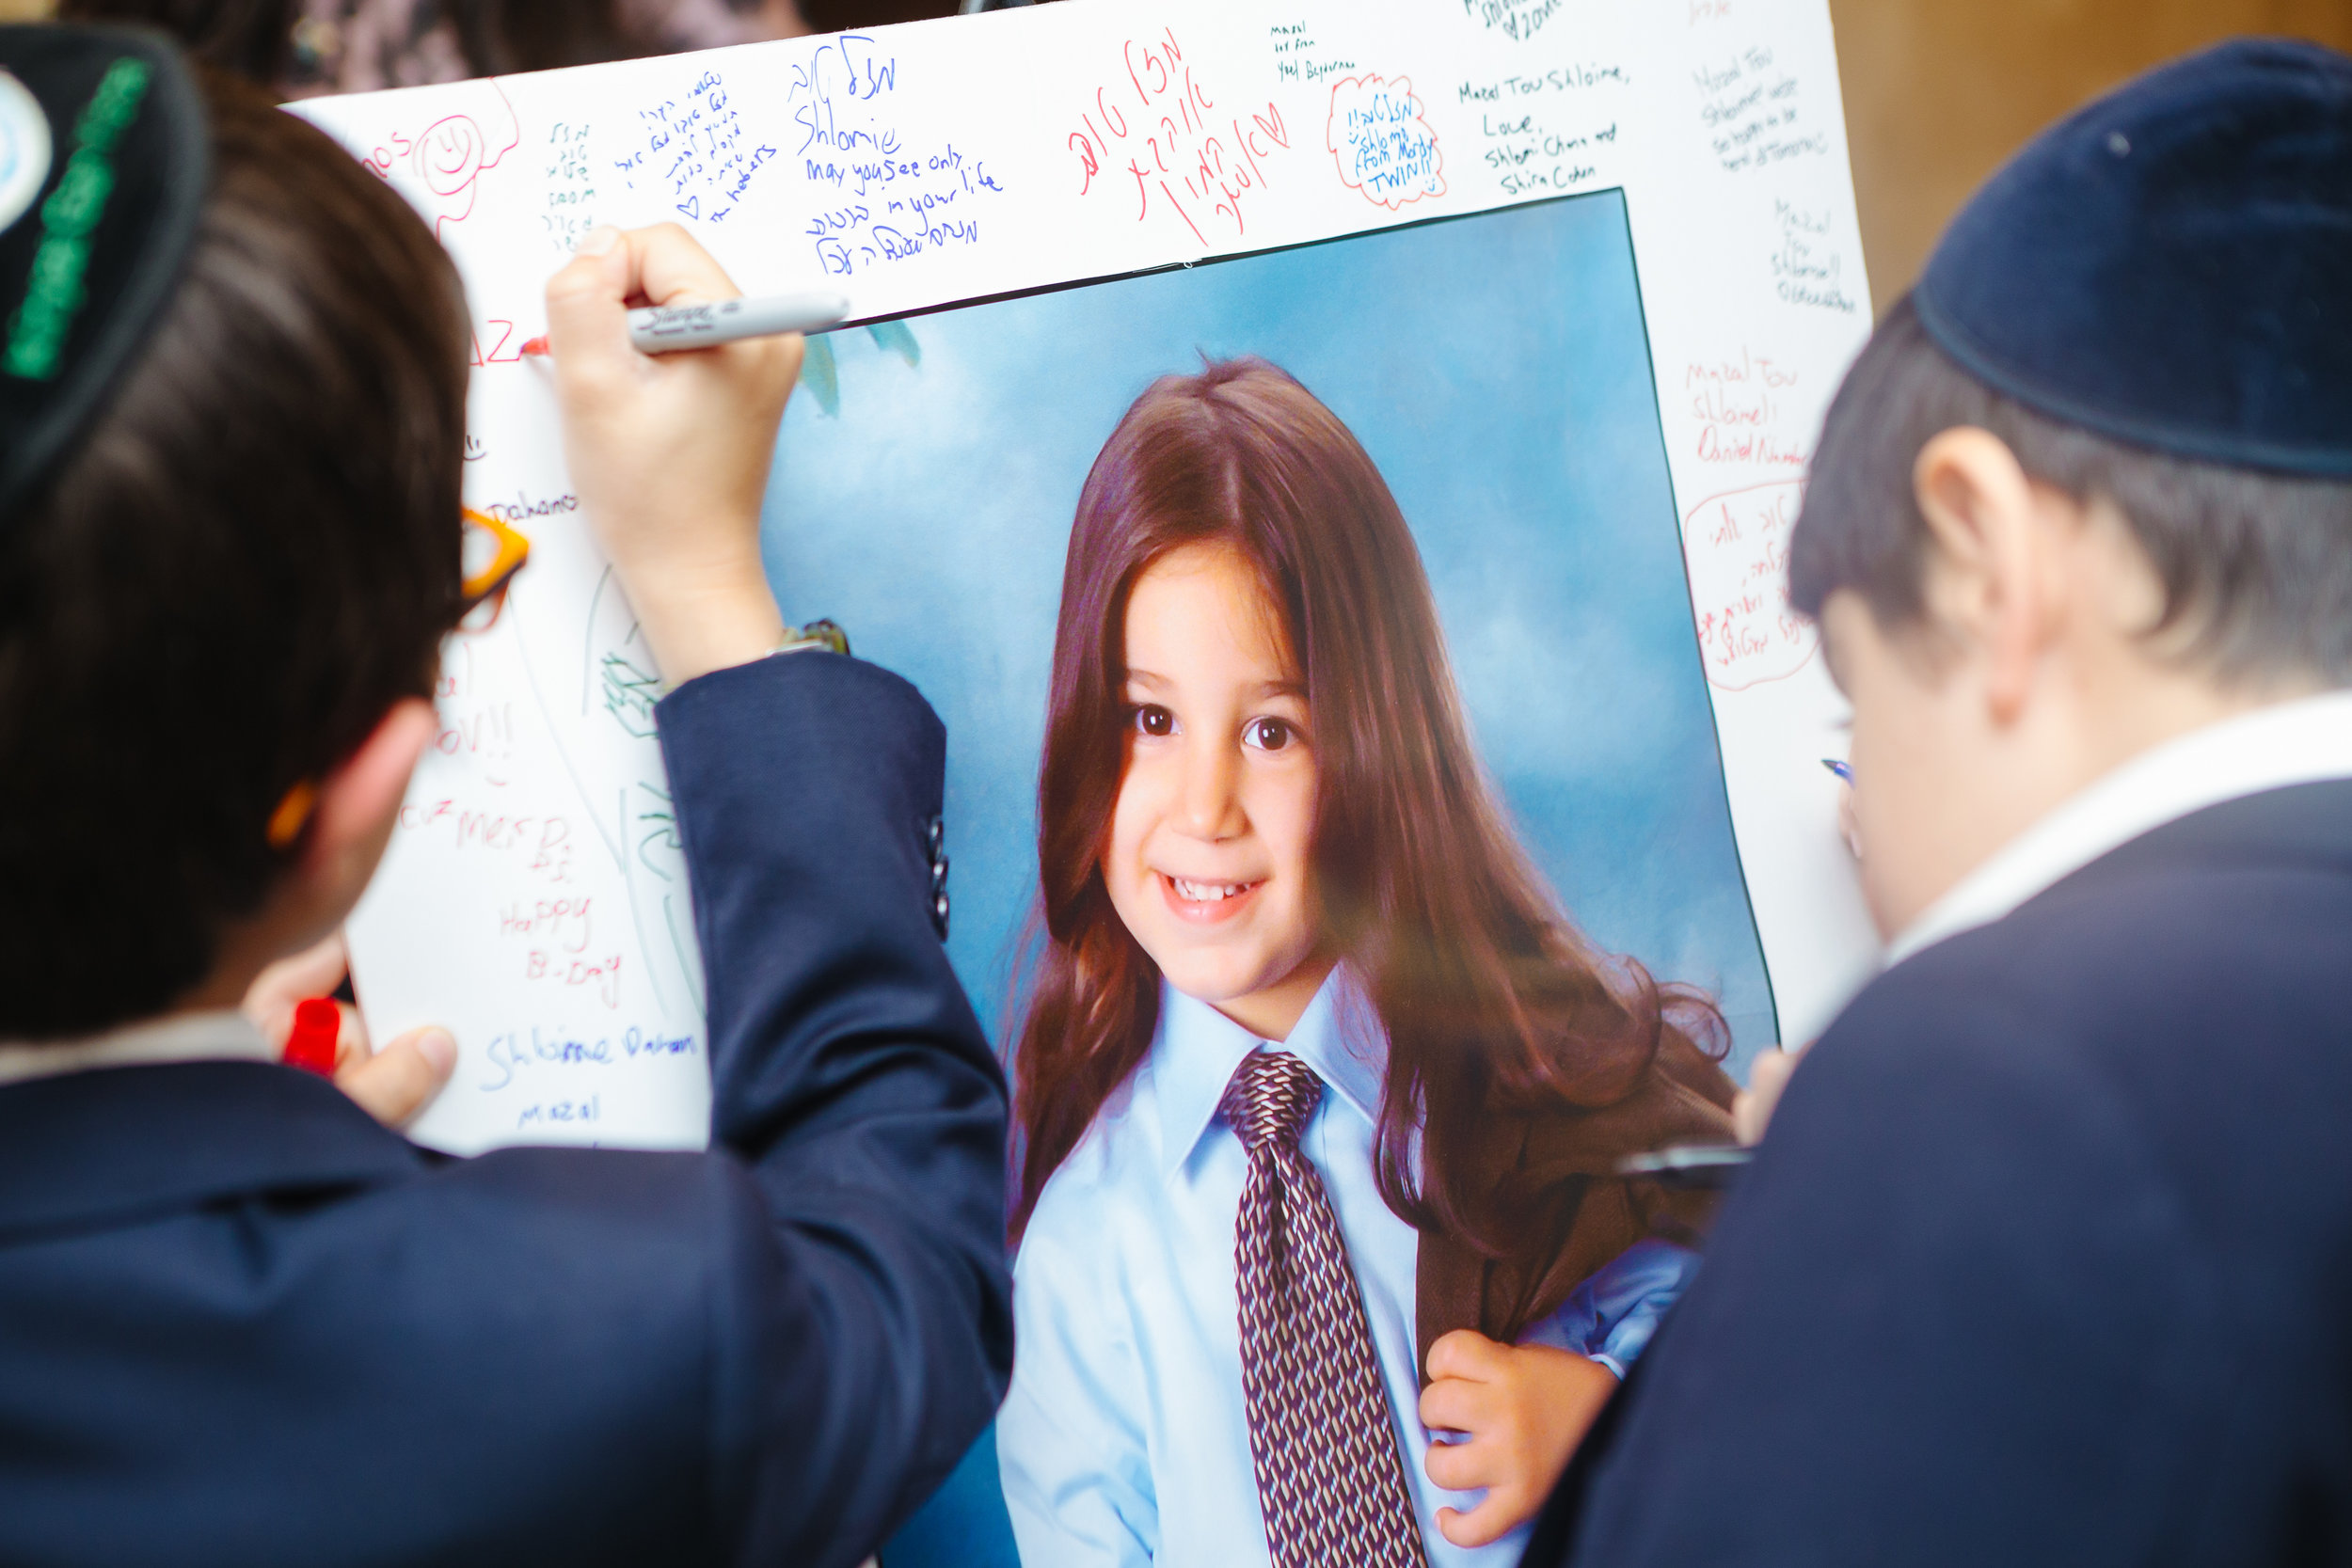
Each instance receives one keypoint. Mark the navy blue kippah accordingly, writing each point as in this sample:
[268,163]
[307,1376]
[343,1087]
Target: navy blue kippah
[2172,266]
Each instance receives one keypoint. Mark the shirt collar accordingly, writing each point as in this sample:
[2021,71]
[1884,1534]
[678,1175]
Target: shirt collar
[1196,1049]
[2303,741]
[223,1036]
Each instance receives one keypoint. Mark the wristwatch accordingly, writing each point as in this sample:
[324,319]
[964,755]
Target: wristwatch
[827,635]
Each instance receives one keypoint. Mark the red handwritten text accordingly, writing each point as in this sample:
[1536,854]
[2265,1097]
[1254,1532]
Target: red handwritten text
[1737,547]
[1180,154]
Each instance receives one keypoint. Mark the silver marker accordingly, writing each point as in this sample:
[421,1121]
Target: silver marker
[666,328]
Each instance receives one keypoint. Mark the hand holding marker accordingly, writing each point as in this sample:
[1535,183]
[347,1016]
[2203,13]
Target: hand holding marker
[1846,824]
[667,329]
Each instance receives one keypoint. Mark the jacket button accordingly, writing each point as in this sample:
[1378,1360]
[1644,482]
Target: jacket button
[939,915]
[939,874]
[938,831]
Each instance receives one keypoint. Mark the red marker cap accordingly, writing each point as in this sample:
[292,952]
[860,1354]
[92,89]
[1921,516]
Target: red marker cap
[318,1024]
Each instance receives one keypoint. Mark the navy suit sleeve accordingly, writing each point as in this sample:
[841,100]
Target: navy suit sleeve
[861,1319]
[1953,1314]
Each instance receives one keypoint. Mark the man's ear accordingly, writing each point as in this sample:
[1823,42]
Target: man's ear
[1987,573]
[357,803]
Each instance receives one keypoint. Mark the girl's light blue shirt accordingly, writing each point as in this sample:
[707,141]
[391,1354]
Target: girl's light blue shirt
[1123,1440]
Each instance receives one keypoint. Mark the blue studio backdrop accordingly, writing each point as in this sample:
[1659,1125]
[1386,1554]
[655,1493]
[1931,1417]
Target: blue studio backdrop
[1497,369]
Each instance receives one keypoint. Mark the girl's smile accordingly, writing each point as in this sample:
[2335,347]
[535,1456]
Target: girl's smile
[1205,903]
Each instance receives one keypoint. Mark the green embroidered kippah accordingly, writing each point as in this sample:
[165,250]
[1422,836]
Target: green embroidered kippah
[104,166]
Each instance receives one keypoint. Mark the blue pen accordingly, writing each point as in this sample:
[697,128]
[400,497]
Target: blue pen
[1842,769]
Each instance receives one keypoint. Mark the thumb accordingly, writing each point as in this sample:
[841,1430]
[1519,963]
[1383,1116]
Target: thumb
[1497,1514]
[400,1080]
[588,305]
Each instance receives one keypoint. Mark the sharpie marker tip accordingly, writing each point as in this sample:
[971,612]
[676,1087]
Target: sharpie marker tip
[537,345]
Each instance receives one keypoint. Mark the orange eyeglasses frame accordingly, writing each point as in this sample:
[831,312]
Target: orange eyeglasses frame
[489,585]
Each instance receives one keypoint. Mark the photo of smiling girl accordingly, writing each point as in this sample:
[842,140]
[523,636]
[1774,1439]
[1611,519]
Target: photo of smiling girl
[1318,1088]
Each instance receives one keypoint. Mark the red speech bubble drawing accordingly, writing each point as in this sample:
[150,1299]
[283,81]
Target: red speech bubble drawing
[1383,144]
[1736,547]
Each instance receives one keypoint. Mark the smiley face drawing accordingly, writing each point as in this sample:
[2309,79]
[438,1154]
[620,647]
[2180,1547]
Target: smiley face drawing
[450,156]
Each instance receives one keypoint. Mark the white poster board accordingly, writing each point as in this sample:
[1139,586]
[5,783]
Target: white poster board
[534,899]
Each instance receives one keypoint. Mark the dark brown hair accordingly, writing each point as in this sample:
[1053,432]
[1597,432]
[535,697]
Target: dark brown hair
[255,38]
[252,554]
[1493,1003]
[2256,567]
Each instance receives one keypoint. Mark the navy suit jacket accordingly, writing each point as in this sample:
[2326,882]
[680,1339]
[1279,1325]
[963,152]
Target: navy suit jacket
[2047,1258]
[241,1324]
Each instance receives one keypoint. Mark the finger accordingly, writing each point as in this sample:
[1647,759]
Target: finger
[1751,1112]
[397,1081]
[1453,1405]
[1464,1467]
[1747,1117]
[671,267]
[1504,1510]
[788,349]
[1466,1354]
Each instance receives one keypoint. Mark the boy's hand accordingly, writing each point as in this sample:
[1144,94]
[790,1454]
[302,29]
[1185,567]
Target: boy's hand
[391,1084]
[1525,1408]
[1752,1107]
[670,452]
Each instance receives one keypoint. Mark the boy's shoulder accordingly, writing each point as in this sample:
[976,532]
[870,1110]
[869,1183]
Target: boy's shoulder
[2050,1220]
[2156,964]
[163,1172]
[2175,1009]
[232,1236]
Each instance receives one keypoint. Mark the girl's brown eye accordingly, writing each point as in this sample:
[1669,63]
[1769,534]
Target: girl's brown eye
[1152,720]
[1267,734]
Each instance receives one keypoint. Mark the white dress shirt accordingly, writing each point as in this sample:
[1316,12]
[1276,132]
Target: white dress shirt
[223,1036]
[2303,741]
[1124,1440]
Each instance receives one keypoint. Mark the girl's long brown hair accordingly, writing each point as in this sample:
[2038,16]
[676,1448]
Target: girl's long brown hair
[1493,1003]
